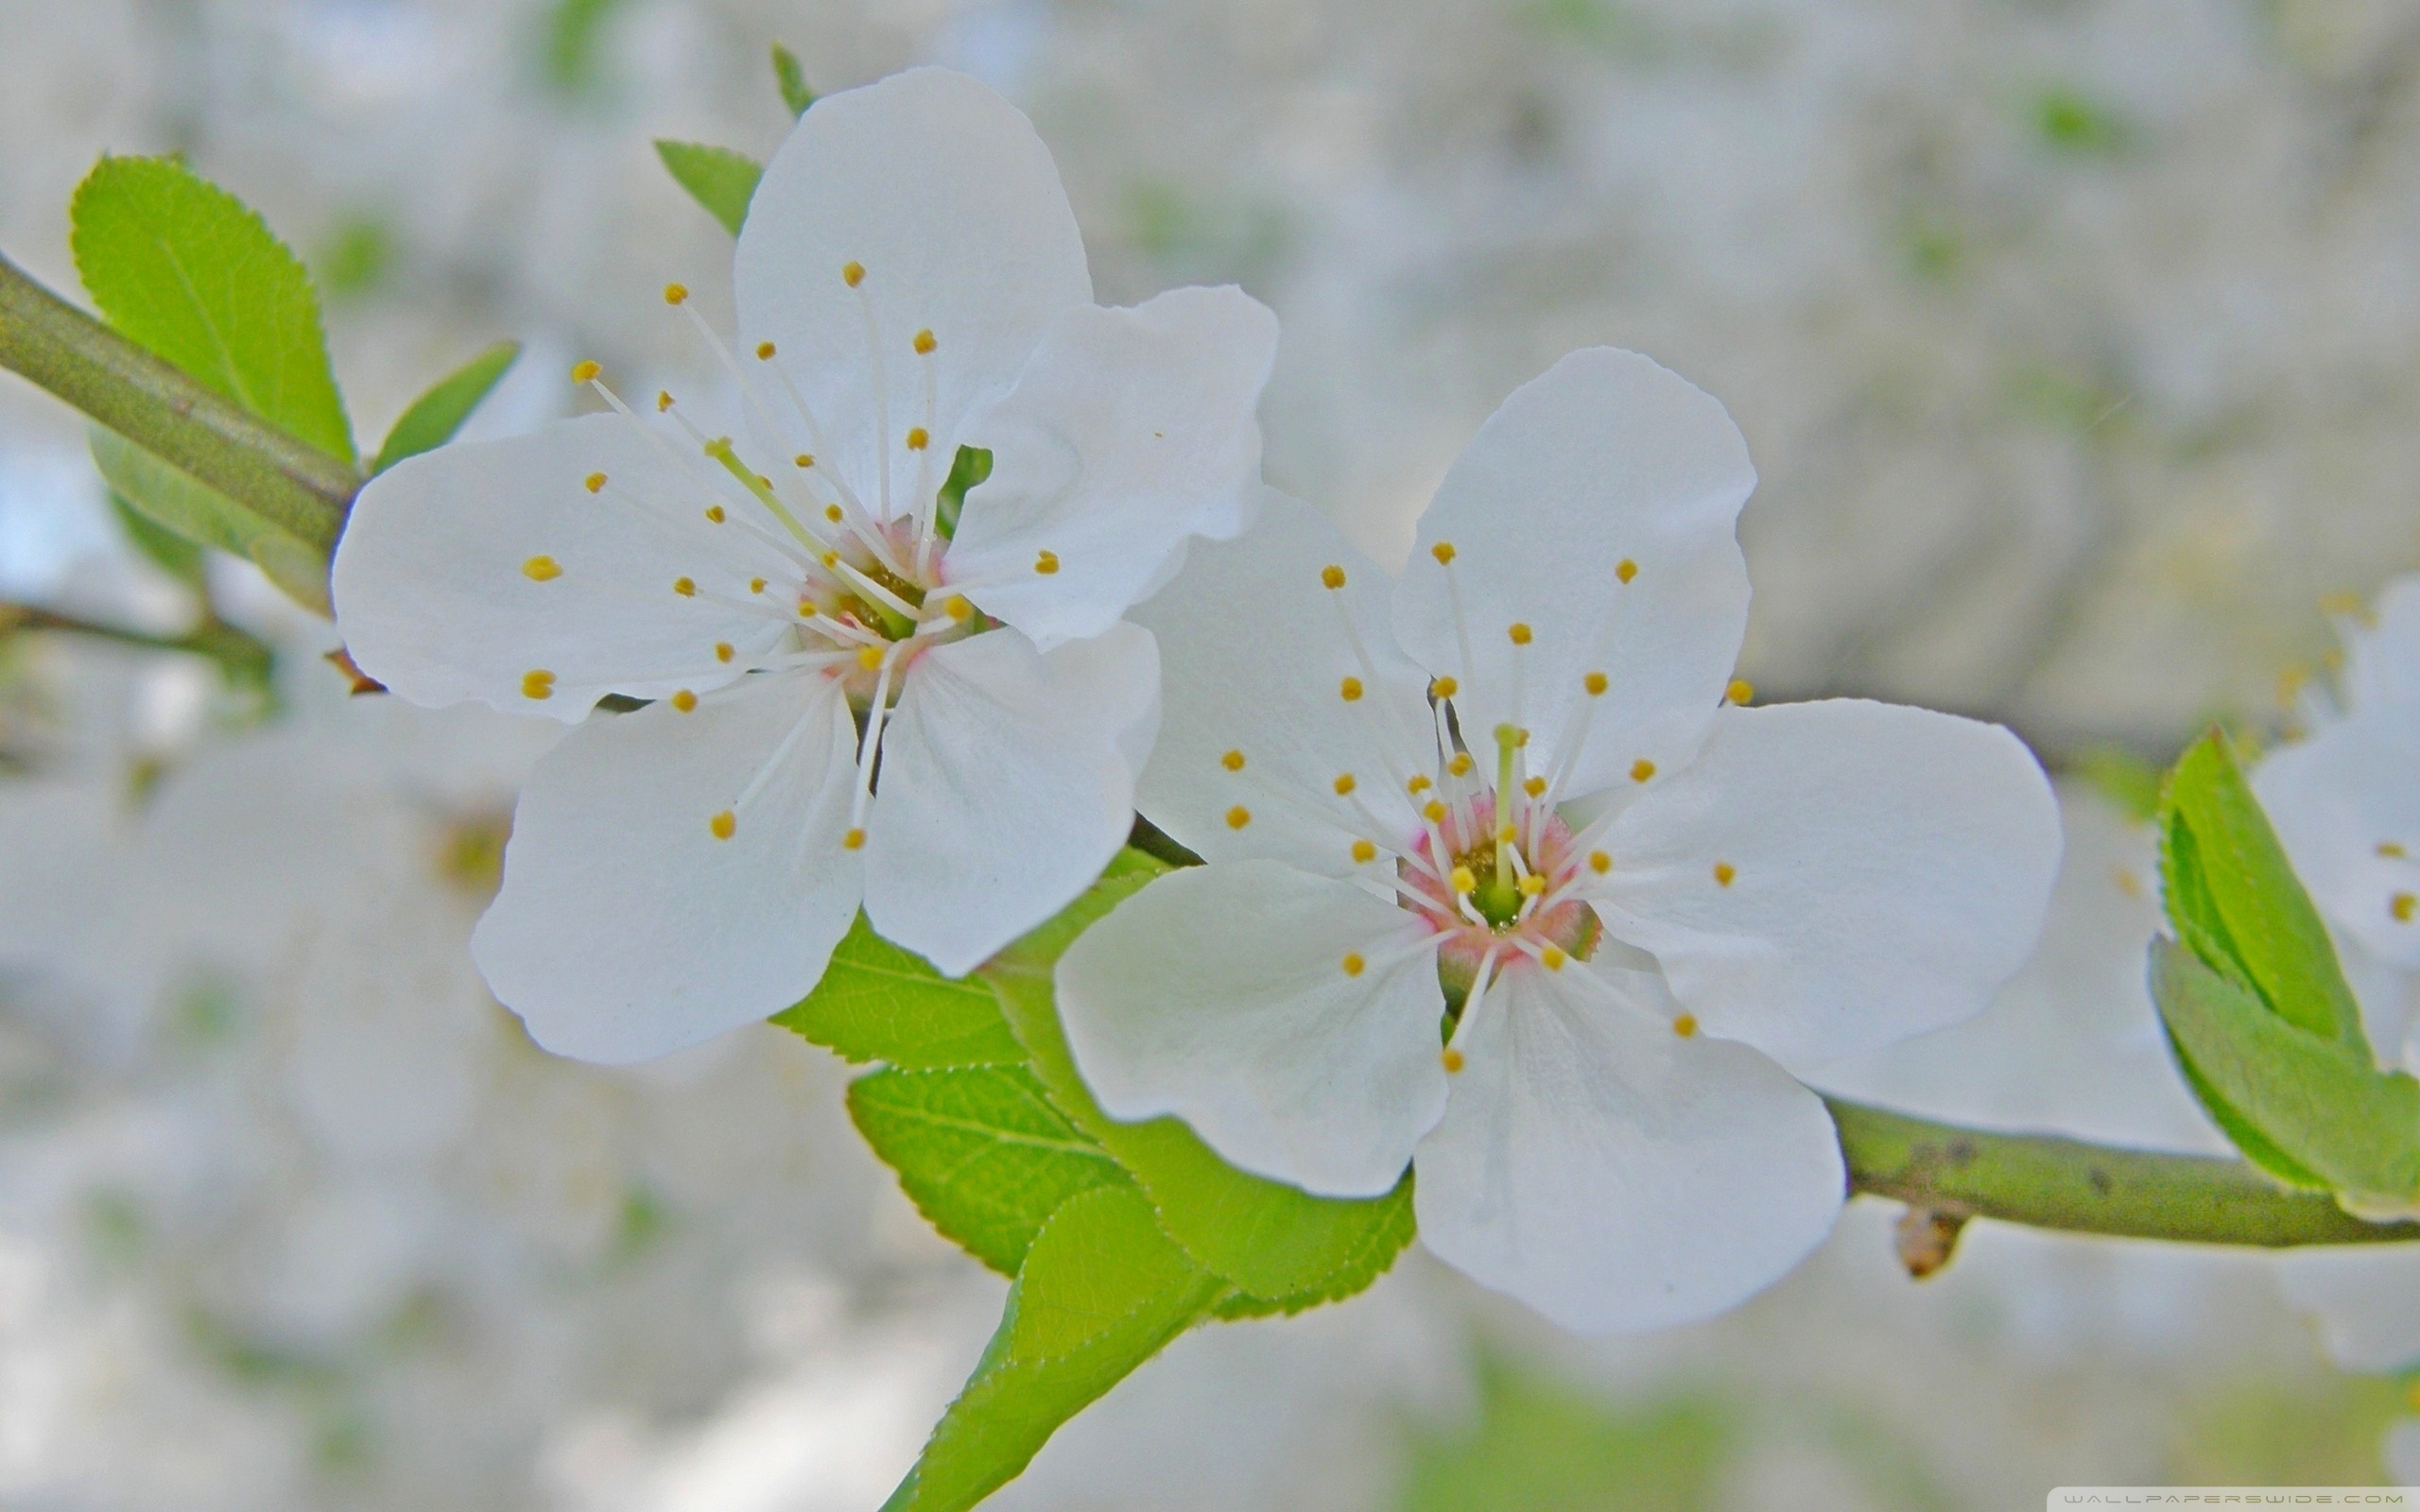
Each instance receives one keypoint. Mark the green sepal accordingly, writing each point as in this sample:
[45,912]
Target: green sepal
[971,465]
[2233,897]
[980,1151]
[435,416]
[1101,1292]
[1283,1246]
[2321,1104]
[177,502]
[791,80]
[877,1001]
[718,179]
[185,268]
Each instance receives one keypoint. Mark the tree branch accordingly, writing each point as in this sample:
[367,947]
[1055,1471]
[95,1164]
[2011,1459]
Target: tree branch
[2046,1181]
[301,490]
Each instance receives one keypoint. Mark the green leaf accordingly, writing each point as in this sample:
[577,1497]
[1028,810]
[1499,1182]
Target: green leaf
[2318,1102]
[718,178]
[574,42]
[980,1151]
[792,80]
[877,1001]
[435,416]
[1284,1247]
[177,502]
[1102,1291]
[185,268]
[2232,897]
[178,556]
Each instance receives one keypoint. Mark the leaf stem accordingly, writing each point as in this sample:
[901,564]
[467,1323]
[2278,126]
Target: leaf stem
[232,648]
[293,486]
[2048,1181]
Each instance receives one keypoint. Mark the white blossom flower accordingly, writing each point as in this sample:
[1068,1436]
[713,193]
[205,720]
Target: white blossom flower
[2345,805]
[1512,795]
[803,606]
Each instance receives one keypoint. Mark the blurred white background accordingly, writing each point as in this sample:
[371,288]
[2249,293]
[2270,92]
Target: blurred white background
[2078,345]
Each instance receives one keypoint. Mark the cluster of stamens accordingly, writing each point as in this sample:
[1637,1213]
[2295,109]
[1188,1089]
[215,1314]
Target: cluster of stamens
[857,588]
[1493,870]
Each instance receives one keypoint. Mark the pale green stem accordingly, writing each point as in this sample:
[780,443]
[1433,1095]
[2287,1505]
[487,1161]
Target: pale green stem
[295,486]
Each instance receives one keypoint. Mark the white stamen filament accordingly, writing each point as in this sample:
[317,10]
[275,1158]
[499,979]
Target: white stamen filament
[872,741]
[881,399]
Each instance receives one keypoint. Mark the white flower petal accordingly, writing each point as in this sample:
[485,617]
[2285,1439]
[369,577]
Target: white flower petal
[626,928]
[1888,870]
[1007,783]
[2334,800]
[1252,660]
[942,193]
[2366,1299]
[1220,994]
[465,570]
[1613,1174]
[1605,459]
[2382,658]
[1130,431]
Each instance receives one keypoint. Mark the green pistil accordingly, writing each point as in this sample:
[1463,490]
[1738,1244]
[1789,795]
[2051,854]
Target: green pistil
[719,449]
[1499,898]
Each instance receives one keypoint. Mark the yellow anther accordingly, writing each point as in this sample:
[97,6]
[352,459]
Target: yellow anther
[1045,562]
[957,608]
[1461,763]
[684,700]
[724,651]
[756,585]
[853,274]
[804,459]
[870,657]
[1434,810]
[1354,964]
[1723,873]
[2389,849]
[1600,863]
[594,482]
[831,559]
[1238,816]
[2400,906]
[1332,575]
[586,373]
[1364,851]
[765,352]
[663,400]
[1533,884]
[1452,1059]
[1520,740]
[724,824]
[2341,603]
[1641,769]
[685,587]
[1506,833]
[918,438]
[714,512]
[675,293]
[924,343]
[1627,571]
[1418,785]
[1346,785]
[537,683]
[1520,634]
[1445,688]
[1740,690]
[1685,1025]
[1232,761]
[854,840]
[1463,879]
[1536,786]
[1552,958]
[541,569]
[1596,684]
[1443,551]
[765,483]
[1350,688]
